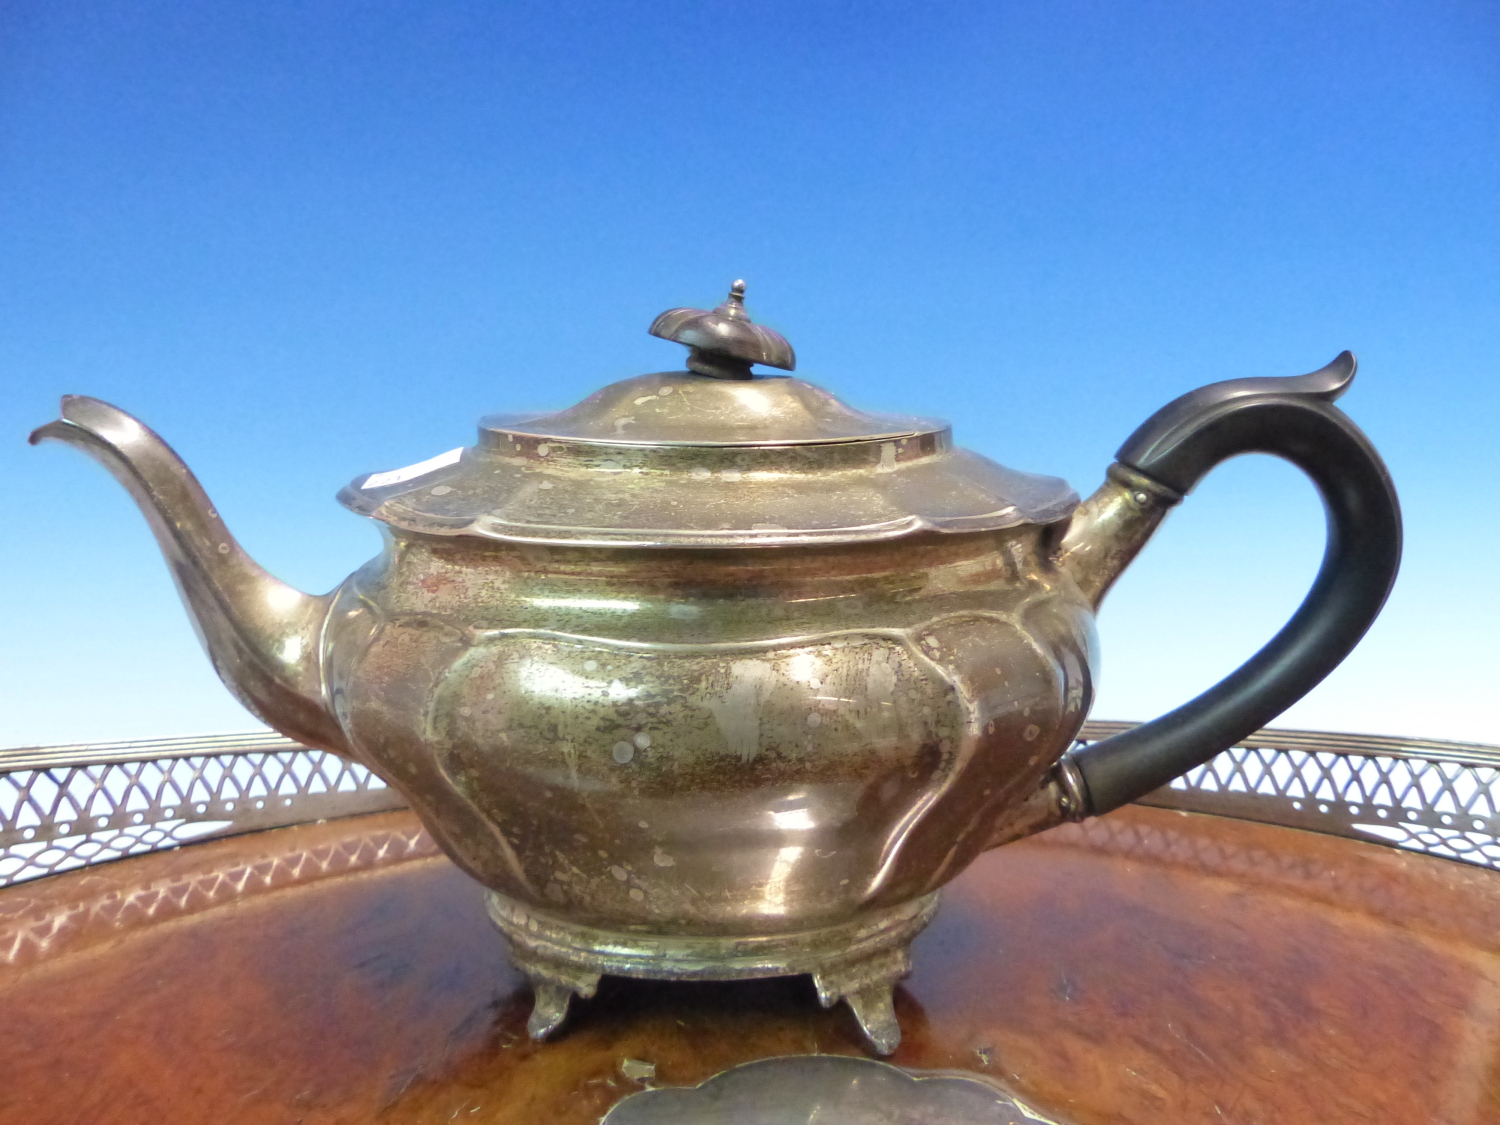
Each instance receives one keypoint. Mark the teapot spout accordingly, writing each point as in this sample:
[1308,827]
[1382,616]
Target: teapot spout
[261,634]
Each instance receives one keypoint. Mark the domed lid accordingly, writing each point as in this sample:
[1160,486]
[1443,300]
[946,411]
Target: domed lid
[710,457]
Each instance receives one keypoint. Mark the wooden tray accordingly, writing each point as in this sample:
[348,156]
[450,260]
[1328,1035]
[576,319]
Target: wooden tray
[1151,967]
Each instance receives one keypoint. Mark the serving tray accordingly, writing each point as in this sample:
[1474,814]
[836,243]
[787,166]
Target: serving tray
[1152,966]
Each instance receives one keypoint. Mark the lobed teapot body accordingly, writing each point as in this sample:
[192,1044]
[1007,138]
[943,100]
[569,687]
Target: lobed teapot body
[714,676]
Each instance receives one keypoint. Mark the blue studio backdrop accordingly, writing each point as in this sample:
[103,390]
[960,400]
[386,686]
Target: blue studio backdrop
[308,240]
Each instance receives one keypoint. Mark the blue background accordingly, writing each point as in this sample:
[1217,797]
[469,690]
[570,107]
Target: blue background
[309,240]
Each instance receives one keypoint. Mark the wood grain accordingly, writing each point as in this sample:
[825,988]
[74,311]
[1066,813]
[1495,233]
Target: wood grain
[1151,967]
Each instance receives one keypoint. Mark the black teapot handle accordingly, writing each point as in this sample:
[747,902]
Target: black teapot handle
[1295,419]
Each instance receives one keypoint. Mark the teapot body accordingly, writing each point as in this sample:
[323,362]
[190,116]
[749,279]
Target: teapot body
[731,742]
[713,676]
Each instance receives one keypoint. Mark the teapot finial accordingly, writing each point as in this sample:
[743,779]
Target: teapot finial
[734,304]
[724,341]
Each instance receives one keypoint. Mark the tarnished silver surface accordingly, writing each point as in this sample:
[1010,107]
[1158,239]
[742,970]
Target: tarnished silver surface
[766,744]
[677,459]
[263,636]
[828,1090]
[724,341]
[1432,797]
[1070,787]
[1109,529]
[859,961]
[702,660]
[799,736]
[683,459]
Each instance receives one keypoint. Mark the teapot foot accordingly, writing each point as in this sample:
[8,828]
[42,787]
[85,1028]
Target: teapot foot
[875,1010]
[549,1008]
[869,987]
[554,983]
[859,962]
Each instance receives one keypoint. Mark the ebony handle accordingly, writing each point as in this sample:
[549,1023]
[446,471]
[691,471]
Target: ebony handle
[1293,418]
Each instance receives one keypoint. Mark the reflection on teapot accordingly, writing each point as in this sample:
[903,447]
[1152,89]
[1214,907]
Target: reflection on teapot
[712,676]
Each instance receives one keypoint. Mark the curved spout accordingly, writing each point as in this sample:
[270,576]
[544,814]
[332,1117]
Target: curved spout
[261,634]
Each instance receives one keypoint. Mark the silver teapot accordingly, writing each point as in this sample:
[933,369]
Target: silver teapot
[713,676]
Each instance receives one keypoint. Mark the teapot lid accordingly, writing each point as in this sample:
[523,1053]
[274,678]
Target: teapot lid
[714,456]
